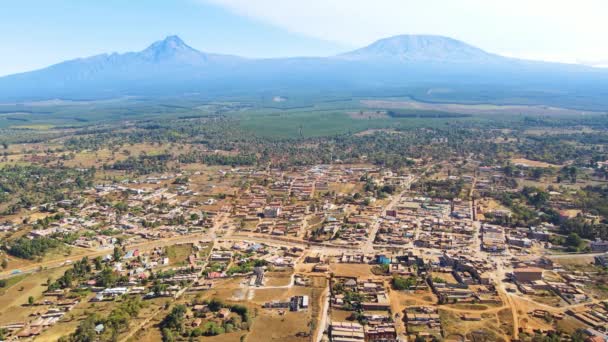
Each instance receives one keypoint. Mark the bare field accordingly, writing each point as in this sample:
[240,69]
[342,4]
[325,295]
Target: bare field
[352,270]
[532,163]
[278,278]
[471,108]
[269,325]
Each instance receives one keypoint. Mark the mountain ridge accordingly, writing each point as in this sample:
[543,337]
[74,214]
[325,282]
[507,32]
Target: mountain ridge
[421,48]
[172,67]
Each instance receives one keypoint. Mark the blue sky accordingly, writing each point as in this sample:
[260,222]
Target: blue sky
[37,33]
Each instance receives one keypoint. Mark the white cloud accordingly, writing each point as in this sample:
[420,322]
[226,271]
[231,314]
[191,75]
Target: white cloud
[564,29]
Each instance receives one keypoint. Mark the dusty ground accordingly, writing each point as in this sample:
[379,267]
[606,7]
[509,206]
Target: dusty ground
[532,163]
[351,270]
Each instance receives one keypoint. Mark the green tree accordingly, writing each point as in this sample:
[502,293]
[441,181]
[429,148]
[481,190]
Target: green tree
[117,254]
[574,240]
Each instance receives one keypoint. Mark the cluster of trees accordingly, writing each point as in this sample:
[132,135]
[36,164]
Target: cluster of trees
[31,248]
[246,267]
[448,188]
[584,228]
[143,164]
[402,283]
[115,323]
[173,327]
[379,191]
[83,270]
[218,159]
[29,185]
[352,299]
[528,207]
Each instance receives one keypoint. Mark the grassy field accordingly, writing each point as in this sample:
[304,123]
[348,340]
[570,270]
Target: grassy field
[178,254]
[327,123]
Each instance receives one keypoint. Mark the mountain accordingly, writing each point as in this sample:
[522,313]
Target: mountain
[421,48]
[410,65]
[172,50]
[106,75]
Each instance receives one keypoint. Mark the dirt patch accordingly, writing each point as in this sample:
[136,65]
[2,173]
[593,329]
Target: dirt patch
[351,270]
[532,163]
[277,278]
[270,325]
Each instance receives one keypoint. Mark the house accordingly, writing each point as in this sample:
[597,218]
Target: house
[599,246]
[528,274]
[223,313]
[272,212]
[347,332]
[602,260]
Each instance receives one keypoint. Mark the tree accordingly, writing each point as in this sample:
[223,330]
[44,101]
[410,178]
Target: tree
[86,330]
[175,319]
[574,240]
[30,300]
[117,253]
[98,263]
[401,283]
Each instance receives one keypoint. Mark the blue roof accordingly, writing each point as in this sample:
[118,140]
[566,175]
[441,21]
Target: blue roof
[256,246]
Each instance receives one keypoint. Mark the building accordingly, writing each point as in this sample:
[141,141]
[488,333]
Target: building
[602,260]
[528,274]
[272,212]
[384,332]
[599,246]
[347,332]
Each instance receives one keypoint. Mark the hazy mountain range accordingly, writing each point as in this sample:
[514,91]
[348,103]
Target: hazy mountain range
[408,63]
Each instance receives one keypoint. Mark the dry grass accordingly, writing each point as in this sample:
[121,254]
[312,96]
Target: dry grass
[269,325]
[277,278]
[352,270]
[12,302]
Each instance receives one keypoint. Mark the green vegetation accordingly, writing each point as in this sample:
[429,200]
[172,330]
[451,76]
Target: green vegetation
[411,113]
[31,248]
[246,267]
[173,326]
[26,186]
[115,323]
[142,164]
[402,283]
[448,189]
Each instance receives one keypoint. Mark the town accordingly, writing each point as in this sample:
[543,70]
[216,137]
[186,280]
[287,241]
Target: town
[331,252]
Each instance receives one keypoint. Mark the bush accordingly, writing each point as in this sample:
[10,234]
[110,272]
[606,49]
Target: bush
[401,283]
